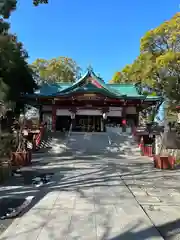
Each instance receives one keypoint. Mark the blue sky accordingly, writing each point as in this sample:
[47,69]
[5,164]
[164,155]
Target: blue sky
[103,33]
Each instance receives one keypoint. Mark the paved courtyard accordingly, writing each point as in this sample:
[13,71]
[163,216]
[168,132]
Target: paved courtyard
[102,189]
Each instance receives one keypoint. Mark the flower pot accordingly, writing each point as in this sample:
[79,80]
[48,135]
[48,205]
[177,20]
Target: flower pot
[157,161]
[164,162]
[19,159]
[168,162]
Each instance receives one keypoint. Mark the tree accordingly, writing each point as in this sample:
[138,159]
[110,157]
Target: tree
[127,73]
[170,64]
[15,75]
[61,69]
[7,6]
[144,70]
[157,66]
[124,76]
[165,37]
[37,2]
[162,44]
[117,78]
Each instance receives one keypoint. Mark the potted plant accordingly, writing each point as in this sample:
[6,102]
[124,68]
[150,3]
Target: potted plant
[19,156]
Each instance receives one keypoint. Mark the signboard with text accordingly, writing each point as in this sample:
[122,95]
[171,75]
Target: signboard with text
[89,96]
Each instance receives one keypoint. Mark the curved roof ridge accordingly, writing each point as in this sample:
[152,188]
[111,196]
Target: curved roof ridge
[76,83]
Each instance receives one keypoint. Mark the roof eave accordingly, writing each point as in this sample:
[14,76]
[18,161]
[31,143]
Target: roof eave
[155,99]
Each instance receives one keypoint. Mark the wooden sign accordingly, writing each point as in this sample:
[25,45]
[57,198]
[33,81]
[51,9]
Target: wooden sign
[89,96]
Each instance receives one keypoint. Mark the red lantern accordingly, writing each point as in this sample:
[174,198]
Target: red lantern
[124,121]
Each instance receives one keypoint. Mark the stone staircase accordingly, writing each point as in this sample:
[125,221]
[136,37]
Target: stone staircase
[88,142]
[99,143]
[123,143]
[91,143]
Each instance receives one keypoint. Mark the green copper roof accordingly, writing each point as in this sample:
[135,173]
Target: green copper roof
[94,84]
[127,89]
[47,89]
[90,88]
[90,81]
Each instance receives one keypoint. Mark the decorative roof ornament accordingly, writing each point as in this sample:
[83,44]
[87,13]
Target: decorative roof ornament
[90,69]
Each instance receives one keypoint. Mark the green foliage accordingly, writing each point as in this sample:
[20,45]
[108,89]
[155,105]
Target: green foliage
[163,38]
[6,145]
[164,46]
[153,94]
[158,65]
[7,6]
[127,73]
[61,69]
[125,76]
[15,75]
[37,2]
[116,78]
[145,93]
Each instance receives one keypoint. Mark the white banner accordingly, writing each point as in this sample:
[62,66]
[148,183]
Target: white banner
[89,112]
[63,112]
[114,112]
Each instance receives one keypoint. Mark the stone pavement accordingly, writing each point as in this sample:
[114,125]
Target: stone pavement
[107,194]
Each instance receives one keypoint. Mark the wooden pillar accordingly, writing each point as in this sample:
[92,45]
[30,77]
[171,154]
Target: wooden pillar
[136,119]
[54,118]
[40,114]
[124,120]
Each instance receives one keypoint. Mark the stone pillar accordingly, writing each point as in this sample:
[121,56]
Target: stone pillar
[158,143]
[54,118]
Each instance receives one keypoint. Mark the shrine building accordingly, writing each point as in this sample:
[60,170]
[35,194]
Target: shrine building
[90,104]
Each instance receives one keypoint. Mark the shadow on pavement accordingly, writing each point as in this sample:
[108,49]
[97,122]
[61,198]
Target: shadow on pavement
[76,172]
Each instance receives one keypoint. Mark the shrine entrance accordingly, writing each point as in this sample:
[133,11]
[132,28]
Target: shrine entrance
[86,123]
[63,123]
